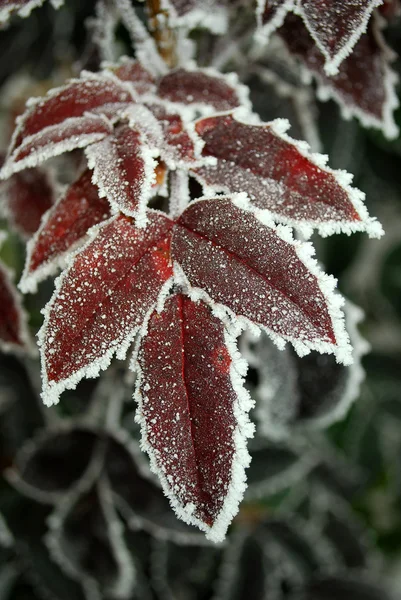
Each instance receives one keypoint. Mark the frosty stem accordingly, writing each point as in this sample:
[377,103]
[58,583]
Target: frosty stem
[163,35]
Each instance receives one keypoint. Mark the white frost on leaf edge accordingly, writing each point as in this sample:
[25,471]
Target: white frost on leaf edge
[332,63]
[51,391]
[326,283]
[214,18]
[263,32]
[141,117]
[53,149]
[28,346]
[148,155]
[193,110]
[243,430]
[23,11]
[279,127]
[84,76]
[325,91]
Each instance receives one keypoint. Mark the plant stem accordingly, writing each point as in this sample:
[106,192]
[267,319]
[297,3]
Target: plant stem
[163,35]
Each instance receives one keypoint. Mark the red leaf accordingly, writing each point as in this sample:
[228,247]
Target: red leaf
[13,328]
[64,226]
[201,89]
[124,171]
[49,120]
[71,134]
[134,72]
[279,175]
[102,300]
[249,268]
[27,196]
[336,26]
[194,424]
[364,86]
[179,146]
[271,13]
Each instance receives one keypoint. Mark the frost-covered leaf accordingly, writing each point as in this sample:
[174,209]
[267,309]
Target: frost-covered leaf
[52,462]
[14,335]
[365,84]
[271,14]
[74,132]
[64,226]
[177,144]
[22,7]
[69,117]
[137,75]
[260,273]
[193,413]
[336,26]
[26,197]
[202,89]
[86,539]
[102,300]
[124,171]
[280,175]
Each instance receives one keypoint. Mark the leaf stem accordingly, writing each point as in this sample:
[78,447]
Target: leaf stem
[163,35]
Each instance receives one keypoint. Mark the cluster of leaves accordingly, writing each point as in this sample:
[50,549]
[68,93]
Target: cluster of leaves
[147,263]
[83,517]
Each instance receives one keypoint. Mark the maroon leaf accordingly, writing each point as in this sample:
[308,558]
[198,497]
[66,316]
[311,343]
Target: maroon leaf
[64,119]
[71,134]
[271,14]
[102,300]
[63,228]
[13,328]
[134,72]
[336,26]
[27,196]
[178,144]
[202,89]
[194,423]
[279,175]
[249,268]
[124,171]
[364,86]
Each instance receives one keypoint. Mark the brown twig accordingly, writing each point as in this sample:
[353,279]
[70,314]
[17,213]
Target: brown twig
[164,36]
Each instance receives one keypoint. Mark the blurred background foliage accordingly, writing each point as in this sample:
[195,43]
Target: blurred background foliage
[80,514]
